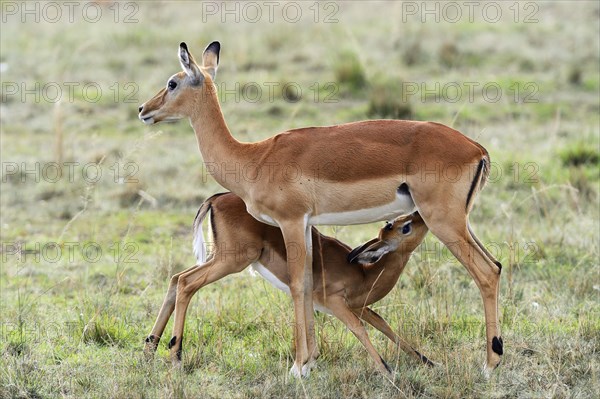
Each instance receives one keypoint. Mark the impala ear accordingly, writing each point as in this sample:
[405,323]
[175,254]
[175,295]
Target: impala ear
[188,64]
[210,58]
[353,255]
[370,252]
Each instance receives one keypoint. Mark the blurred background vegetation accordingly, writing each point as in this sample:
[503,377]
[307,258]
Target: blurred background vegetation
[526,86]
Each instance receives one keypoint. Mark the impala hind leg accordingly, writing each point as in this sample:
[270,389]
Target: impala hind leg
[451,227]
[167,308]
[340,309]
[371,317]
[483,248]
[188,283]
[298,242]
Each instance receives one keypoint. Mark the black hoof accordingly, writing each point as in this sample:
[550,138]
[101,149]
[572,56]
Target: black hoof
[425,360]
[172,344]
[150,339]
[386,365]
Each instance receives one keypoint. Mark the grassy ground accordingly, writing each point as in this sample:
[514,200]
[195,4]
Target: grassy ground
[94,255]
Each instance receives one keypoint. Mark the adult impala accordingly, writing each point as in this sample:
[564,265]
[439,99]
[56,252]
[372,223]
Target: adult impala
[342,289]
[344,174]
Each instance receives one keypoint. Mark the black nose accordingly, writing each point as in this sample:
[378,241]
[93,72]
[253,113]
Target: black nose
[140,108]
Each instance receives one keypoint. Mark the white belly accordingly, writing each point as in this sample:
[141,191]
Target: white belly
[261,217]
[266,219]
[322,309]
[270,277]
[275,282]
[402,205]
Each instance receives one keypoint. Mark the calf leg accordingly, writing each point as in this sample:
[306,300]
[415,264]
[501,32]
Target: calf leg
[188,284]
[340,309]
[379,323]
[164,314]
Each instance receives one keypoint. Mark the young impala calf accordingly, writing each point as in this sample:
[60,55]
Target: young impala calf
[341,287]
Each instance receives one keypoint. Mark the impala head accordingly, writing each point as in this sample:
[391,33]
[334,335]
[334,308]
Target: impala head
[403,234]
[175,101]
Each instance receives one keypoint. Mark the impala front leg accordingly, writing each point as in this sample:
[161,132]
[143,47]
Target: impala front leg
[298,243]
[341,310]
[311,339]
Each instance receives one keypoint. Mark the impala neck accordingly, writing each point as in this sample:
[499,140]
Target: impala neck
[223,155]
[387,270]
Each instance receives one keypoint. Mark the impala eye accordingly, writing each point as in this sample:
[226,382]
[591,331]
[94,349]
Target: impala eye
[406,229]
[172,85]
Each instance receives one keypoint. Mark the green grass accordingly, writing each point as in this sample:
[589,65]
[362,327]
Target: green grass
[74,327]
[350,73]
[386,101]
[580,154]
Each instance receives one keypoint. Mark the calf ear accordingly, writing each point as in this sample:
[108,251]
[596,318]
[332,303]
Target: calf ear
[188,64]
[210,58]
[353,255]
[370,254]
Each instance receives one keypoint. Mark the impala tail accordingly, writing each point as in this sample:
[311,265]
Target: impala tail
[480,179]
[198,240]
